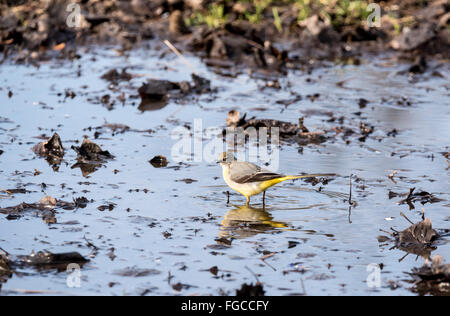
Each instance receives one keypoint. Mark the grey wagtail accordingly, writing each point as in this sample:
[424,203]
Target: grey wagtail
[249,179]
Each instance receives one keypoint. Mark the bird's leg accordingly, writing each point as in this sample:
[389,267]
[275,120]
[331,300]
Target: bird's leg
[264,199]
[248,200]
[228,197]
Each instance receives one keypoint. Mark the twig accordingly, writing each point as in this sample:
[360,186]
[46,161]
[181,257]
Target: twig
[350,195]
[303,287]
[350,202]
[401,213]
[169,277]
[90,244]
[7,192]
[386,232]
[177,52]
[6,252]
[254,274]
[263,259]
[253,43]
[402,258]
[269,265]
[24,291]
[391,176]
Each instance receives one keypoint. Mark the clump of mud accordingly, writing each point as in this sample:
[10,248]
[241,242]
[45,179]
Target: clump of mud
[159,161]
[37,30]
[90,157]
[5,269]
[288,131]
[251,290]
[46,208]
[157,90]
[51,149]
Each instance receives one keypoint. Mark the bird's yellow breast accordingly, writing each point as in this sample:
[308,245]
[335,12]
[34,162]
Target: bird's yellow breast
[246,189]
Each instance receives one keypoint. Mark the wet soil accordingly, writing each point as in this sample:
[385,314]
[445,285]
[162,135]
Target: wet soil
[163,228]
[33,32]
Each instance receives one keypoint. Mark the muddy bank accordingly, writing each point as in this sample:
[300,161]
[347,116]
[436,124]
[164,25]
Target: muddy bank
[269,35]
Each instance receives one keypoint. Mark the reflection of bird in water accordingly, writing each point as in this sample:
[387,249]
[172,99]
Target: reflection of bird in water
[246,221]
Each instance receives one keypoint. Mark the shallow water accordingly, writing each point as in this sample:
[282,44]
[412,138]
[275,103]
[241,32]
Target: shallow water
[332,250]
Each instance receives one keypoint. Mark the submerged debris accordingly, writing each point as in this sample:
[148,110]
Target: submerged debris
[5,269]
[46,260]
[434,278]
[46,207]
[422,197]
[114,76]
[136,272]
[108,207]
[116,127]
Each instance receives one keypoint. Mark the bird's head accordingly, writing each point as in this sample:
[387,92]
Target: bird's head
[225,158]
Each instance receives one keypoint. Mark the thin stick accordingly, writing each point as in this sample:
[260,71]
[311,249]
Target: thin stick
[303,287]
[7,192]
[385,231]
[263,259]
[6,252]
[269,265]
[254,274]
[401,213]
[402,258]
[169,277]
[350,202]
[177,52]
[350,195]
[90,244]
[253,43]
[24,291]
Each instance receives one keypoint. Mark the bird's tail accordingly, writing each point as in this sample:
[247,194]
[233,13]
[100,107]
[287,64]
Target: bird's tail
[312,175]
[269,183]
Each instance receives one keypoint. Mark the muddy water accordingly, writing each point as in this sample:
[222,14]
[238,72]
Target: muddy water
[162,225]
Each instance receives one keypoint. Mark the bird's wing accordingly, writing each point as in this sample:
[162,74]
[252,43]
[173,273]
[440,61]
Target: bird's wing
[245,172]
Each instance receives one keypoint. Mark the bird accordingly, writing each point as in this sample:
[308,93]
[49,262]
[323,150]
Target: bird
[249,179]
